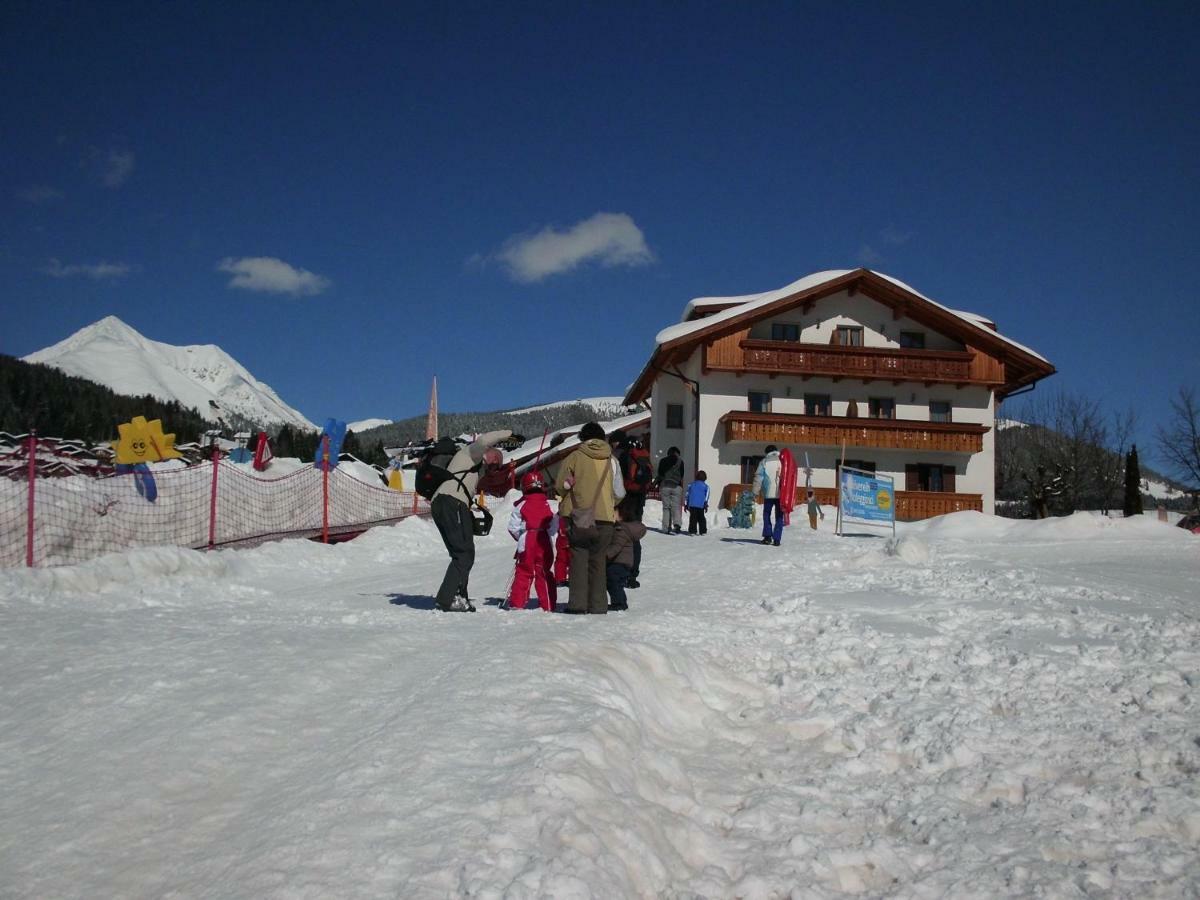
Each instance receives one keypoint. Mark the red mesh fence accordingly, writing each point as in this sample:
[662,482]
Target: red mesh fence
[76,516]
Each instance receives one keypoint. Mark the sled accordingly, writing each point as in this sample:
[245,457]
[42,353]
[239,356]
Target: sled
[787,485]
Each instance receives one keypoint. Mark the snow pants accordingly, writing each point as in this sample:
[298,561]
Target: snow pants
[672,503]
[562,554]
[697,520]
[457,527]
[588,592]
[534,566]
[772,531]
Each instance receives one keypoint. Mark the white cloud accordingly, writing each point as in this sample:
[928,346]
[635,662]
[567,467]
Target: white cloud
[39,193]
[868,256]
[115,167]
[97,271]
[266,273]
[611,239]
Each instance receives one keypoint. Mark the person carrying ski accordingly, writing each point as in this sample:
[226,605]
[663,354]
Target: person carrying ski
[766,485]
[451,512]
[697,503]
[670,490]
[533,525]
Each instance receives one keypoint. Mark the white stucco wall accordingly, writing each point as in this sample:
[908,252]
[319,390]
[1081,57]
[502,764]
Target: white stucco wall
[879,328]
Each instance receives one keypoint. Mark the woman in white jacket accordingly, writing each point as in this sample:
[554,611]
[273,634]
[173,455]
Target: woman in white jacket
[766,485]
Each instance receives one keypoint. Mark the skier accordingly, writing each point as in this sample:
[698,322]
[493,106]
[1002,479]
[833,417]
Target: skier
[533,525]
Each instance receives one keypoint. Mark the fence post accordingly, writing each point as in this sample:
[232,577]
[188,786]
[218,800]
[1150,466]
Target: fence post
[212,503]
[32,477]
[325,489]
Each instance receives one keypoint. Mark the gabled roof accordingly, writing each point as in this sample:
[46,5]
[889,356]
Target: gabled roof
[676,342]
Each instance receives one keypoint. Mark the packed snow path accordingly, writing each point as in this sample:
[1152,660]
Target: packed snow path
[981,708]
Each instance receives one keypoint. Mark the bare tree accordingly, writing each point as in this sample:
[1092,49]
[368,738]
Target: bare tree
[1070,455]
[1179,439]
[1110,472]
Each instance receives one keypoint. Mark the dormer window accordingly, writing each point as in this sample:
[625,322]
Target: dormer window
[848,336]
[785,331]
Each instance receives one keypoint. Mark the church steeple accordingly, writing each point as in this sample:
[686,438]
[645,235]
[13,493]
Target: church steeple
[431,425]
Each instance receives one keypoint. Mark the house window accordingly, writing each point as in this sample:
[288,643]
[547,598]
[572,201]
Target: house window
[912,340]
[674,415]
[932,477]
[817,405]
[760,401]
[881,408]
[939,411]
[849,336]
[749,467]
[783,331]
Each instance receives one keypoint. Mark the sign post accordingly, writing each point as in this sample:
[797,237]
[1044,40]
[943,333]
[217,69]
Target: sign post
[867,498]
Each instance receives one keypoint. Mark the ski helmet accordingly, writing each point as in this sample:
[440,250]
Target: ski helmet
[532,481]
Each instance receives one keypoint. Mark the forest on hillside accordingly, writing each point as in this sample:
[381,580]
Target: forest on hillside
[38,397]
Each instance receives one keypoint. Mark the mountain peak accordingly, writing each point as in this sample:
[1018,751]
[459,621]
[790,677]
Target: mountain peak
[113,353]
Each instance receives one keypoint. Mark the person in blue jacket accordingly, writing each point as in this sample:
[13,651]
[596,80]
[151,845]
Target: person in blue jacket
[697,503]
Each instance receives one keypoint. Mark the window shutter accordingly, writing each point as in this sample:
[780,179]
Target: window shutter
[912,477]
[948,479]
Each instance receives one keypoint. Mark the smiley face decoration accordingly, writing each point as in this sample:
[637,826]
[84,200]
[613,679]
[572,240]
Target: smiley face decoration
[143,442]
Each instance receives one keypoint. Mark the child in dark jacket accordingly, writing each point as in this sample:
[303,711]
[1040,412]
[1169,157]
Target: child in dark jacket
[627,530]
[697,503]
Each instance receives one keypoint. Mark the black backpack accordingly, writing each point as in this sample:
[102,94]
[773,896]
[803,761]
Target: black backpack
[432,468]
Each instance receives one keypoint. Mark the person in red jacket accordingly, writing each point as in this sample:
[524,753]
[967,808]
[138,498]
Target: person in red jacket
[532,523]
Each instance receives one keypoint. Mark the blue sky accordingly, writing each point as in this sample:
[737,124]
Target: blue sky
[516,197]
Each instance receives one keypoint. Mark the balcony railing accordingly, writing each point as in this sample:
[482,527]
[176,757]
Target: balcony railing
[738,353]
[910,505]
[890,434]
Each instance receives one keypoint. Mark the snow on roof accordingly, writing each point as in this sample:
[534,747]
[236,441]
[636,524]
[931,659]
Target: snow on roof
[524,455]
[749,302]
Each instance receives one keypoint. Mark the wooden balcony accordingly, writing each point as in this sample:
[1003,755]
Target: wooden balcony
[832,431]
[913,505]
[739,353]
[910,505]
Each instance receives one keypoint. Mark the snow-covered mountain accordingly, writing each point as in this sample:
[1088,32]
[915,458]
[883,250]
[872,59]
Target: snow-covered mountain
[605,407]
[113,354]
[360,427]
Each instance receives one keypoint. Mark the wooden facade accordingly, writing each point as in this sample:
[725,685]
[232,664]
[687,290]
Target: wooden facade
[739,353]
[910,505]
[833,431]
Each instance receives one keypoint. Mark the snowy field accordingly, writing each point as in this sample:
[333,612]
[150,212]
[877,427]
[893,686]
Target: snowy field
[982,708]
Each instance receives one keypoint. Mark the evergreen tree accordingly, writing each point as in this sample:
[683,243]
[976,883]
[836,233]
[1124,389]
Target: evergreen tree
[352,445]
[1133,484]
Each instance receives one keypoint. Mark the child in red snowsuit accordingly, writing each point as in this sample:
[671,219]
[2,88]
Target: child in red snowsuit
[532,523]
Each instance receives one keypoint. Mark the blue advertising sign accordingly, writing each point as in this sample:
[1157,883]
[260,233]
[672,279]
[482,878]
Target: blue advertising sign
[869,497]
